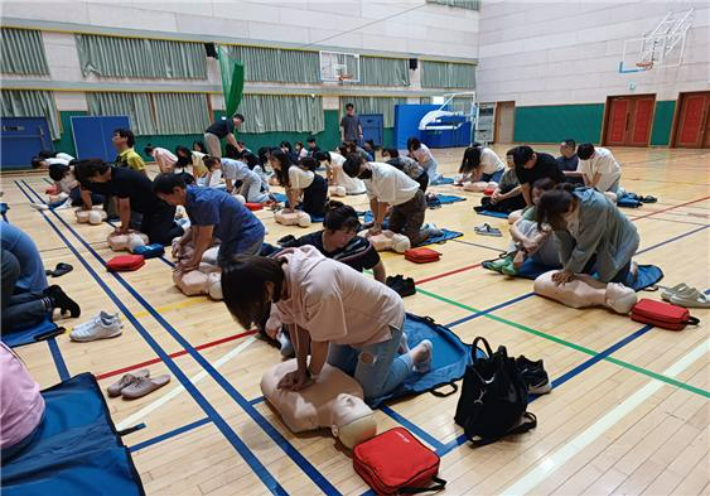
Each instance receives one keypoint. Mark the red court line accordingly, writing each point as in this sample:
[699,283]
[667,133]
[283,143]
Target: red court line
[470,267]
[211,344]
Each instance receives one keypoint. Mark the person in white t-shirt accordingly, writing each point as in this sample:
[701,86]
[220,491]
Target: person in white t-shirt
[164,158]
[300,180]
[236,170]
[599,168]
[388,187]
[333,163]
[481,164]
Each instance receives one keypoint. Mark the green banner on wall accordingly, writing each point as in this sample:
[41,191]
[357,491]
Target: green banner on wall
[232,81]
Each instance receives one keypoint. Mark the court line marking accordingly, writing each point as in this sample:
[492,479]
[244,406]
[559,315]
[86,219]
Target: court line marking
[560,457]
[170,434]
[279,440]
[244,451]
[141,414]
[59,362]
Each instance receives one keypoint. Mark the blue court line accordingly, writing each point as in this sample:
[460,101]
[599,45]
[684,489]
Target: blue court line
[58,359]
[170,434]
[499,250]
[491,309]
[246,454]
[675,238]
[415,429]
[249,409]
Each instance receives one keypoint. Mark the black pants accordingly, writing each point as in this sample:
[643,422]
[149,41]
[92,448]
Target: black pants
[159,225]
[423,181]
[21,310]
[315,196]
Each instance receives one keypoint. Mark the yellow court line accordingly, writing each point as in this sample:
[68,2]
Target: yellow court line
[173,306]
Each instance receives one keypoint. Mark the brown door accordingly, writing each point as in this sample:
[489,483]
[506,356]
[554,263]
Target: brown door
[629,120]
[692,129]
[505,122]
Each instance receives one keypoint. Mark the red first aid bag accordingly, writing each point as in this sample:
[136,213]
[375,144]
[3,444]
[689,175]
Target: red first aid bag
[396,461]
[662,314]
[254,206]
[422,255]
[125,263]
[489,191]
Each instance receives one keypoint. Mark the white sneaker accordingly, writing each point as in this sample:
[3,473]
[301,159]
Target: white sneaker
[107,318]
[39,206]
[100,330]
[65,205]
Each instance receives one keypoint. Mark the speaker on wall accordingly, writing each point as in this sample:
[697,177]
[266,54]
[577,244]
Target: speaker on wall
[211,50]
[413,64]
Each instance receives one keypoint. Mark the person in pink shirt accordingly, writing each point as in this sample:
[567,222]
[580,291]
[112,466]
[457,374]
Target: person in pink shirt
[164,158]
[340,315]
[21,405]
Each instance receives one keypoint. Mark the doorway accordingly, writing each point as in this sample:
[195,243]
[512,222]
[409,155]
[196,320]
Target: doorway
[692,128]
[629,120]
[504,122]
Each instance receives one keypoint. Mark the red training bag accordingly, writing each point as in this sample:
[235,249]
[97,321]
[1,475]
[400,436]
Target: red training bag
[125,263]
[396,461]
[422,255]
[662,314]
[254,206]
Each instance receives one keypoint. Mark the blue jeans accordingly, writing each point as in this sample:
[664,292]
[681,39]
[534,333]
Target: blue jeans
[377,367]
[229,249]
[432,168]
[495,177]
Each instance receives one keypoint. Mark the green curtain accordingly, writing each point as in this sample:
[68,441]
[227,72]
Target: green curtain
[137,106]
[464,4]
[293,113]
[180,113]
[21,103]
[110,56]
[373,105]
[382,71]
[23,52]
[448,75]
[278,65]
[232,80]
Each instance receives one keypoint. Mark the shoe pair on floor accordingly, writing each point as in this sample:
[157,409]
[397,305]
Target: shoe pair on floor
[103,326]
[685,296]
[137,385]
[503,265]
[534,375]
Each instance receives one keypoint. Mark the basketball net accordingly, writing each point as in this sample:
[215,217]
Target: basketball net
[344,77]
[648,65]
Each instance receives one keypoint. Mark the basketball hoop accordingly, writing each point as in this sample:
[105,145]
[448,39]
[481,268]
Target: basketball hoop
[647,65]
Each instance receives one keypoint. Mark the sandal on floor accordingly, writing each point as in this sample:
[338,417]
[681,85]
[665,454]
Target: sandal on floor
[667,293]
[61,269]
[487,230]
[690,299]
[143,386]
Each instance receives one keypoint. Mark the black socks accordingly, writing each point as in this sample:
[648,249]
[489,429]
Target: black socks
[61,301]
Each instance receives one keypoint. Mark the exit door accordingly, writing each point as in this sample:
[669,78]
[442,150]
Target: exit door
[693,129]
[629,120]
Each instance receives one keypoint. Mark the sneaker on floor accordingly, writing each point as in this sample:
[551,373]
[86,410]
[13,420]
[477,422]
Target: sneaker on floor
[39,206]
[143,386]
[99,330]
[432,231]
[115,389]
[534,375]
[107,318]
[65,205]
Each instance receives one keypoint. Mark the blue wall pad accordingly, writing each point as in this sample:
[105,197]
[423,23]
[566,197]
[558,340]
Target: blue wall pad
[450,358]
[28,336]
[76,449]
[443,238]
[406,122]
[492,213]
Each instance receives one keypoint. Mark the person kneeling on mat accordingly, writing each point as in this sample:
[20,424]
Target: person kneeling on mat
[594,236]
[346,318]
[137,204]
[387,186]
[213,214]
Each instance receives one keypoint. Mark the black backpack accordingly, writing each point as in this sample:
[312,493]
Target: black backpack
[494,397]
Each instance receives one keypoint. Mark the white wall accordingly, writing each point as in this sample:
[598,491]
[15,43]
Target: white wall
[541,53]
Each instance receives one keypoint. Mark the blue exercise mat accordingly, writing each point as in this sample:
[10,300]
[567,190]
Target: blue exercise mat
[279,197]
[449,362]
[29,335]
[443,238]
[493,213]
[648,275]
[446,199]
[442,181]
[76,450]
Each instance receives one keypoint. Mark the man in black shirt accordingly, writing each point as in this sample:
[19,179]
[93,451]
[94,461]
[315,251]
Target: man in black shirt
[138,206]
[531,166]
[312,147]
[350,126]
[568,161]
[222,128]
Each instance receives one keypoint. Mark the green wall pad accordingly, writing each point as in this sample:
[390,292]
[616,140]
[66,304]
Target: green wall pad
[662,122]
[554,123]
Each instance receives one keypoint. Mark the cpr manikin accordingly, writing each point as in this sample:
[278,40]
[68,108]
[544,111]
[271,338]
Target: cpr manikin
[388,240]
[480,186]
[334,402]
[297,218]
[584,291]
[94,216]
[206,280]
[127,242]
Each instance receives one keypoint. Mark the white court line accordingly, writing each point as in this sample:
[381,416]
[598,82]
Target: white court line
[553,462]
[150,408]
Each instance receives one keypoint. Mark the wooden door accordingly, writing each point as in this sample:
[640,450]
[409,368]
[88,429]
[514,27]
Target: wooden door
[692,129]
[629,120]
[505,122]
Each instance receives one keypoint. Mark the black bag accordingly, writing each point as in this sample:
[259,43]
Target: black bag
[494,397]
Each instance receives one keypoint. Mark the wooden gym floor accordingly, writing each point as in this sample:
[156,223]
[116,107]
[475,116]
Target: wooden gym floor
[628,414]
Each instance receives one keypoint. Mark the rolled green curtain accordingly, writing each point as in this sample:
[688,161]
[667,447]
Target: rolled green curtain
[382,71]
[111,56]
[180,113]
[291,113]
[448,75]
[23,52]
[463,4]
[232,80]
[30,103]
[136,106]
[278,65]
[373,105]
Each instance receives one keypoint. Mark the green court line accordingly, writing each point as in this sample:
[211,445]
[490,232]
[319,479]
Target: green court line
[568,344]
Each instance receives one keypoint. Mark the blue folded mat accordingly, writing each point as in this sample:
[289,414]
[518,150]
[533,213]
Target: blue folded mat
[443,180]
[449,361]
[492,213]
[150,251]
[28,335]
[628,202]
[443,238]
[446,199]
[76,450]
[279,197]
